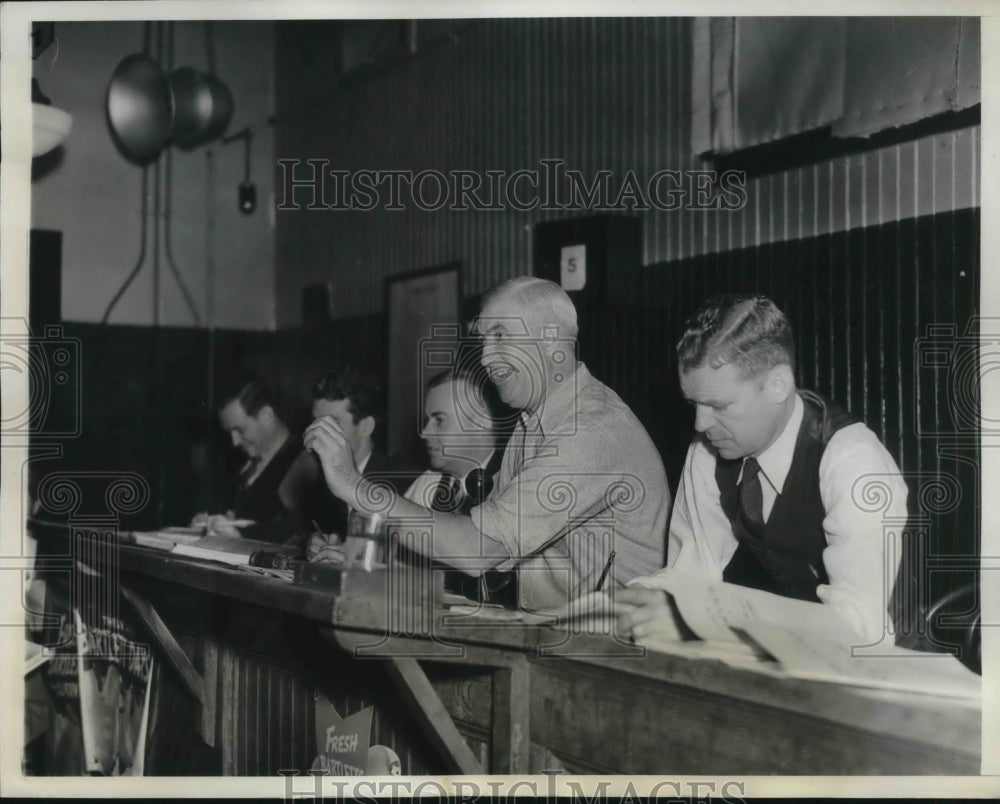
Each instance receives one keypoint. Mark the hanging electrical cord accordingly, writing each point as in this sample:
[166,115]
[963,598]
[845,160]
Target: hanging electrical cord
[210,304]
[168,205]
[149,110]
[155,397]
[157,192]
[210,215]
[168,49]
[157,183]
[210,270]
[210,238]
[246,193]
[147,37]
[143,210]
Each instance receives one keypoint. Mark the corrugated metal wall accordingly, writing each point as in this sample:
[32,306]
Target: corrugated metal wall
[865,304]
[600,94]
[885,323]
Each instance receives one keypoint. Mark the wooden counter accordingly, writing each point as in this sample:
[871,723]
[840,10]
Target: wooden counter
[454,694]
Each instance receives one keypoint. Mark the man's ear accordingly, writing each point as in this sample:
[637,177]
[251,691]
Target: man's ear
[780,383]
[553,344]
[367,425]
[267,416]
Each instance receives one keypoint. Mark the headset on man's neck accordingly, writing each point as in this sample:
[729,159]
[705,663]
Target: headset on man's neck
[478,484]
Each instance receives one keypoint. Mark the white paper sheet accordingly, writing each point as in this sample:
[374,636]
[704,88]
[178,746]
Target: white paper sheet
[808,640]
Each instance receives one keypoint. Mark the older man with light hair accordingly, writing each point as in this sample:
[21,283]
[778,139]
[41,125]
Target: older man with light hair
[581,499]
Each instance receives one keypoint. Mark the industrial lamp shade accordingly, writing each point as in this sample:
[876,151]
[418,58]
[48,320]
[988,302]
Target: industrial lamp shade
[203,106]
[222,108]
[140,108]
[49,128]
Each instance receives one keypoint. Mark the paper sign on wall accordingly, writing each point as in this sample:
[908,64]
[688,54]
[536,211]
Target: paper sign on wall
[573,267]
[341,743]
[114,682]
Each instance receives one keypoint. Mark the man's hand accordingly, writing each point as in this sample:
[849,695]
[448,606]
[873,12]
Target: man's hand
[326,438]
[644,612]
[219,525]
[216,524]
[319,542]
[321,550]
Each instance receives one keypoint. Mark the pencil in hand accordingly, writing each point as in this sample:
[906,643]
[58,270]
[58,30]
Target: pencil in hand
[604,575]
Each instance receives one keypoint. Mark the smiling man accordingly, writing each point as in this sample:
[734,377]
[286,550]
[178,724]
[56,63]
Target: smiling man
[581,488]
[580,477]
[771,493]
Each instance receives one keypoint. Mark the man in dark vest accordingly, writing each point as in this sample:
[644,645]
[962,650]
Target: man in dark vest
[772,494]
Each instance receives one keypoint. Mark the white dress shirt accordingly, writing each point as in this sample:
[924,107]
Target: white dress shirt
[422,490]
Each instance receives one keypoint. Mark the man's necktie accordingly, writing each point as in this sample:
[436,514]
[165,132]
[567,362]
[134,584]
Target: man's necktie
[752,499]
[447,494]
[249,473]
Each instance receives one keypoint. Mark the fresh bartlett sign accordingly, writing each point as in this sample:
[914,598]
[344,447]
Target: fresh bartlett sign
[341,743]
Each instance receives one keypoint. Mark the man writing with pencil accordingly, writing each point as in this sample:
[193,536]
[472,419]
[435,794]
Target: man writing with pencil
[253,415]
[579,478]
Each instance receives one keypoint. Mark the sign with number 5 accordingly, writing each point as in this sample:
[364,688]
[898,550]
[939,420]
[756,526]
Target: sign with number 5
[573,267]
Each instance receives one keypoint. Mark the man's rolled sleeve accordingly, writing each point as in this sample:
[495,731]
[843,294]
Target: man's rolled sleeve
[865,500]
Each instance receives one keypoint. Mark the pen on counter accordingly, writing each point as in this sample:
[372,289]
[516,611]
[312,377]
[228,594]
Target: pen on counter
[604,575]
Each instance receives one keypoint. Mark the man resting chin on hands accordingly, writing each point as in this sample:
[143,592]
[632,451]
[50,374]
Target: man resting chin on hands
[326,437]
[352,401]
